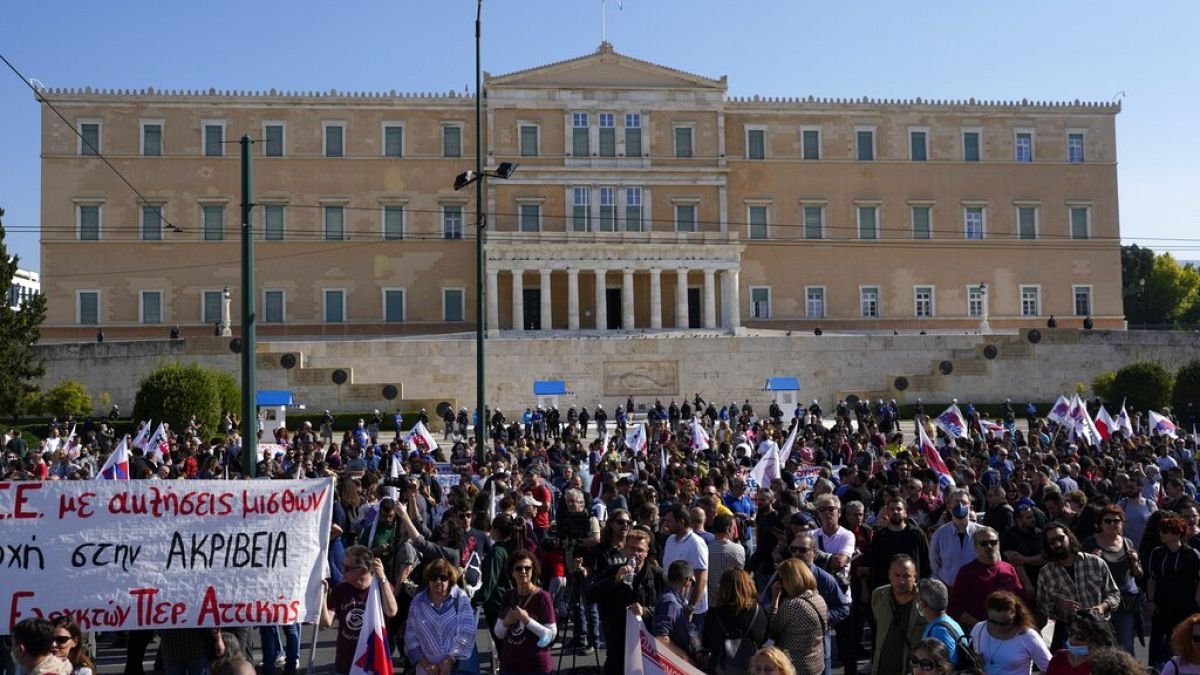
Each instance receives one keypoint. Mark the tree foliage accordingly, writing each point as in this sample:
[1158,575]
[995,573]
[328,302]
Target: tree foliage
[229,391]
[173,393]
[1102,385]
[1158,290]
[1144,385]
[67,398]
[19,332]
[1187,392]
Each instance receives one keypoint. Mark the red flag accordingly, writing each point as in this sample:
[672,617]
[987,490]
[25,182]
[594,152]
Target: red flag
[1105,424]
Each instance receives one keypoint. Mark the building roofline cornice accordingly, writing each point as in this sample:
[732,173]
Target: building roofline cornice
[867,103]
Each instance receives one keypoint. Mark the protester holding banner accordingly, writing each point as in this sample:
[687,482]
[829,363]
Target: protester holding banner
[527,624]
[440,630]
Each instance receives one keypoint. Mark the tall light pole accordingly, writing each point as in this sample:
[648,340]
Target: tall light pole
[249,409]
[504,170]
[480,422]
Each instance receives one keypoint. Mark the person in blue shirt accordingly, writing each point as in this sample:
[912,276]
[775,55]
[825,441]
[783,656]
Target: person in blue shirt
[932,600]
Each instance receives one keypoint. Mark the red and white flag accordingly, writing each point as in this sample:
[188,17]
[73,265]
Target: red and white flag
[934,458]
[420,440]
[116,467]
[1105,424]
[636,440]
[143,434]
[1081,423]
[371,656]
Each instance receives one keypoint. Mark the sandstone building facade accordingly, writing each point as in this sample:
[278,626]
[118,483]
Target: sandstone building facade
[647,198]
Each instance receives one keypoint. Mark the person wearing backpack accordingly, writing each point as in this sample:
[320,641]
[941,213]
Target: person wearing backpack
[736,627]
[932,600]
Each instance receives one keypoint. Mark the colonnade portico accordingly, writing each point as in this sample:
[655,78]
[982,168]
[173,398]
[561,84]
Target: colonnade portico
[633,281]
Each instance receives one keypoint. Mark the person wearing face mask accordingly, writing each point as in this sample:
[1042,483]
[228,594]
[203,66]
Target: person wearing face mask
[952,544]
[1087,633]
[1072,580]
[1007,642]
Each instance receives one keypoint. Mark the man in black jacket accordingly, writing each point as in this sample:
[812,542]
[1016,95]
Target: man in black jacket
[632,586]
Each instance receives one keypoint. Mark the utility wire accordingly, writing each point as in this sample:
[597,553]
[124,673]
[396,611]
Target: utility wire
[96,151]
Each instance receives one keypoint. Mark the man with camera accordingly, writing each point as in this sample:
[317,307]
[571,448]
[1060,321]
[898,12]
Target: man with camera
[578,531]
[632,584]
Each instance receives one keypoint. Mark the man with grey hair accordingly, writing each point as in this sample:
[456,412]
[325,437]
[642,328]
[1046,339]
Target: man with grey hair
[951,546]
[932,600]
[981,577]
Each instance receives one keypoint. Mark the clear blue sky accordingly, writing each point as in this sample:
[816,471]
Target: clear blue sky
[1036,49]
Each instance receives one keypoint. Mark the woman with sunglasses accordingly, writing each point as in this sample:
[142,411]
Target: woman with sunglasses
[929,656]
[1119,553]
[1007,642]
[526,626]
[1087,633]
[68,644]
[441,624]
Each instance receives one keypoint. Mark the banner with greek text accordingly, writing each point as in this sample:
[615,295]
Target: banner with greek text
[126,555]
[644,655]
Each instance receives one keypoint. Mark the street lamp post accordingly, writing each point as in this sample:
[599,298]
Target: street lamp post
[984,327]
[504,170]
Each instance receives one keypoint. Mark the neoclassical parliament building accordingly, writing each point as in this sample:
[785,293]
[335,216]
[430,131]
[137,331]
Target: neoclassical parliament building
[646,198]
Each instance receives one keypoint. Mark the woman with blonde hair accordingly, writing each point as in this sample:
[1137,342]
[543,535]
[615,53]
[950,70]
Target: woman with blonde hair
[735,615]
[797,617]
[771,661]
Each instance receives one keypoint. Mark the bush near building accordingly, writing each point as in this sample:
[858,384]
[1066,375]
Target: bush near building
[174,392]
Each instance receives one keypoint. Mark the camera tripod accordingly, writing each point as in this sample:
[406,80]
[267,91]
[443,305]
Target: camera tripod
[575,607]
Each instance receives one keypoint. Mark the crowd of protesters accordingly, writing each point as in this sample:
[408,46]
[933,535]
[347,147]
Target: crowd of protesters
[858,552]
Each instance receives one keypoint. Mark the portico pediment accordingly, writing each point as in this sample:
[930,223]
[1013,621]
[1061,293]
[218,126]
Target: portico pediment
[604,69]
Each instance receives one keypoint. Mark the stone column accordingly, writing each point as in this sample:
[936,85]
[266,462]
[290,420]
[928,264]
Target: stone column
[518,291]
[655,298]
[627,298]
[733,312]
[545,274]
[601,300]
[573,299]
[681,317]
[493,302]
[710,299]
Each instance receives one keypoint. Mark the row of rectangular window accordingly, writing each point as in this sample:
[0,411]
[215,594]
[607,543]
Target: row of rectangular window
[924,301]
[334,141]
[582,217]
[274,306]
[273,140]
[921,222]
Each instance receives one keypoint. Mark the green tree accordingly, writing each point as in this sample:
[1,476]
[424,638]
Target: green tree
[68,398]
[229,391]
[1102,385]
[1171,291]
[174,392]
[1185,402]
[1136,263]
[19,332]
[1144,385]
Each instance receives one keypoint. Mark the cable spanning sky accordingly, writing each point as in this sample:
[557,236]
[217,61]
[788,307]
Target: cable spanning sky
[1144,54]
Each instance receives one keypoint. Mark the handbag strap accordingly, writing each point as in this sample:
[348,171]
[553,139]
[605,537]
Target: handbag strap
[824,627]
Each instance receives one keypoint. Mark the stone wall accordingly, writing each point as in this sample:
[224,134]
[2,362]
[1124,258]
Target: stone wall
[608,369]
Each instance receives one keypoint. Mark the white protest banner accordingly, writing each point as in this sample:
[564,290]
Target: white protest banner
[646,656]
[146,554]
[805,477]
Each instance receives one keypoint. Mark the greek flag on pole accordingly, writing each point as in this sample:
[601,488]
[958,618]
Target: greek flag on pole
[952,422]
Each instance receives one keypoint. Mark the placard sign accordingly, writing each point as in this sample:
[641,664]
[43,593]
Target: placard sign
[125,555]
